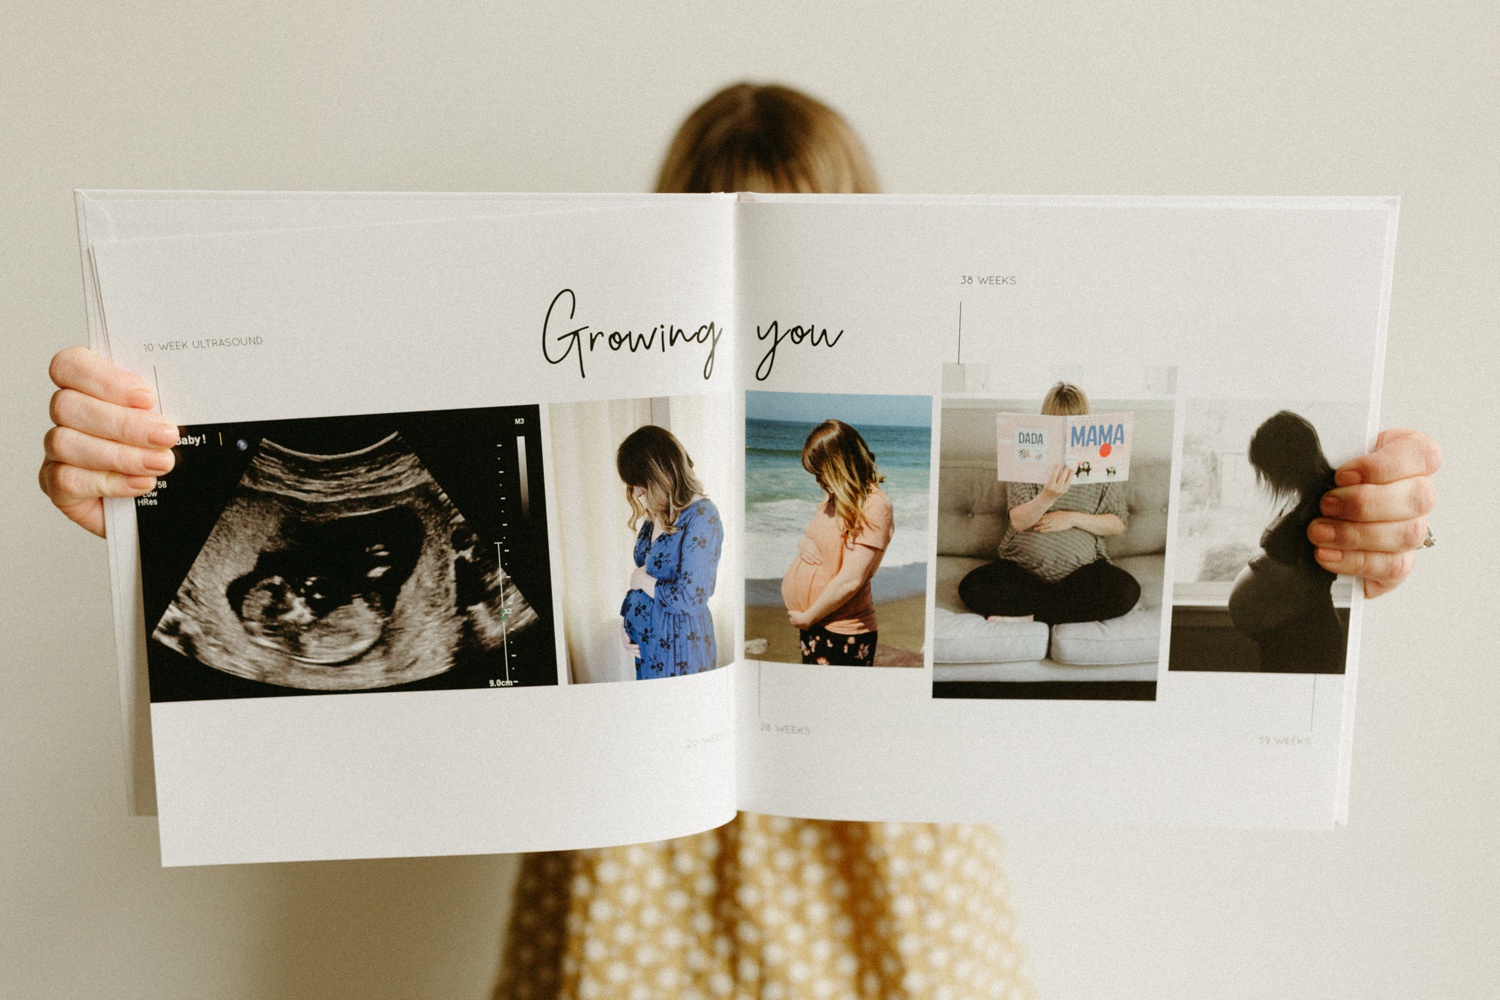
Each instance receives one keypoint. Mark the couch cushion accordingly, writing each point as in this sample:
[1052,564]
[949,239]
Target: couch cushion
[960,636]
[1150,487]
[1131,638]
[971,510]
[968,638]
[951,570]
[1148,572]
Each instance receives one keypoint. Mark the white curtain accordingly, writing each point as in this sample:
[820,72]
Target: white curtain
[595,539]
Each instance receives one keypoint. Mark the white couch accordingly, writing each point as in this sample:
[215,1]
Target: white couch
[972,521]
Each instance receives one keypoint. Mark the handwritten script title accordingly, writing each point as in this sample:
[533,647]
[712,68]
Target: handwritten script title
[561,340]
[558,345]
[810,335]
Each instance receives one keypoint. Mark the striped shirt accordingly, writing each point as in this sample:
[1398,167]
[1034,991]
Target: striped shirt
[1053,555]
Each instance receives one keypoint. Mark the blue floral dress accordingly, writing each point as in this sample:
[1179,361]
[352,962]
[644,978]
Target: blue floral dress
[674,630]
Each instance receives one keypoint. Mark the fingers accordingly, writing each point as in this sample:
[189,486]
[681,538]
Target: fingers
[1377,516]
[97,448]
[67,485]
[1384,553]
[1399,454]
[102,419]
[106,442]
[1379,536]
[78,492]
[1396,501]
[87,514]
[1373,531]
[1382,571]
[81,369]
[1374,588]
[66,446]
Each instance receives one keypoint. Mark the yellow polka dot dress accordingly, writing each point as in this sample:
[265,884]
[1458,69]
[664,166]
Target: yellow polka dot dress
[769,908]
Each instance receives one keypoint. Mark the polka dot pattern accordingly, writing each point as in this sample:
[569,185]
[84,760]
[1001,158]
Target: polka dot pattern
[769,908]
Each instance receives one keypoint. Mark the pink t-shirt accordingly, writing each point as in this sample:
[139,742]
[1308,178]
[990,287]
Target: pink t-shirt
[820,556]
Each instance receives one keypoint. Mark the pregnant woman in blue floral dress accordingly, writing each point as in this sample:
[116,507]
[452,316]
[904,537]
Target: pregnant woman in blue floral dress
[667,624]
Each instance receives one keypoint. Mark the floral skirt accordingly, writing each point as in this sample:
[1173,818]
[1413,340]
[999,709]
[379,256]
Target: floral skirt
[837,649]
[770,908]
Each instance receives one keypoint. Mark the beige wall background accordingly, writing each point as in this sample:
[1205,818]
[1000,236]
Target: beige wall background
[1067,97]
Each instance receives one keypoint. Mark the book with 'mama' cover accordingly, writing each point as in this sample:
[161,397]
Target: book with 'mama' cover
[1029,446]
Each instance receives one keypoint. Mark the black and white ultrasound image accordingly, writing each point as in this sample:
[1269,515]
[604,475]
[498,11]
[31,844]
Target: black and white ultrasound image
[337,554]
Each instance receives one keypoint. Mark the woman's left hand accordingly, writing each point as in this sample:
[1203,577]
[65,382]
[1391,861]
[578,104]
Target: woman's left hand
[799,619]
[641,580]
[1055,520]
[1376,518]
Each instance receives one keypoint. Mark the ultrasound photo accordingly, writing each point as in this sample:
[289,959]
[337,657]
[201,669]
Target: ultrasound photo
[344,554]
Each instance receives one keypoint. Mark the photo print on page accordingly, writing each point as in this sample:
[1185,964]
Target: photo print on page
[342,554]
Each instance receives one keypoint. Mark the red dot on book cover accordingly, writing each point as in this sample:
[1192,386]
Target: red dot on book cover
[1104,450]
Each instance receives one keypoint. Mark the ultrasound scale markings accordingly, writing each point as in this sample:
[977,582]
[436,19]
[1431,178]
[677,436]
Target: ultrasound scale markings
[504,616]
[500,552]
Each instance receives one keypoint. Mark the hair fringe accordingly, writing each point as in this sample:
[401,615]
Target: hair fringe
[769,138]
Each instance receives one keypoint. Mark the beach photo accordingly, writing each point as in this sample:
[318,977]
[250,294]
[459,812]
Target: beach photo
[1051,546]
[640,488]
[837,494]
[1248,594]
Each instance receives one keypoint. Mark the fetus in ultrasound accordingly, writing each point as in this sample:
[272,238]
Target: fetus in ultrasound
[327,597]
[342,573]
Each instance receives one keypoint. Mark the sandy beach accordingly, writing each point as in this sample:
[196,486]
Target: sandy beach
[902,627]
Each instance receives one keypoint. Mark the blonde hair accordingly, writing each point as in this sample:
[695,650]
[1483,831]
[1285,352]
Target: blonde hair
[1065,400]
[651,458]
[844,466]
[766,137]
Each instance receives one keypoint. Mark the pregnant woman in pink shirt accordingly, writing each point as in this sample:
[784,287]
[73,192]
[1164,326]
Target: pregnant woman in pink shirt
[827,587]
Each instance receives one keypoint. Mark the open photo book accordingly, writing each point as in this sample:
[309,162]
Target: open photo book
[522,522]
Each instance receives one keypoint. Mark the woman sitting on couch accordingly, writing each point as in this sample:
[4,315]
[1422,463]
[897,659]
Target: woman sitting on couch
[1053,566]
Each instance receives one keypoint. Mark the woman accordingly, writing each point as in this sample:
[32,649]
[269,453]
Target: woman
[827,587]
[1283,599]
[713,904]
[665,617]
[765,905]
[1054,566]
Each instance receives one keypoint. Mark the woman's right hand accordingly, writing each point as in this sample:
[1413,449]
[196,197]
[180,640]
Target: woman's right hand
[106,442]
[1057,484]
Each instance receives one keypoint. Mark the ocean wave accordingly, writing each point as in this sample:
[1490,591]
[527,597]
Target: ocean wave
[891,583]
[767,554]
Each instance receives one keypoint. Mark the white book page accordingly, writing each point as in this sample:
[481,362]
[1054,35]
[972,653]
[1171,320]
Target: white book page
[485,359]
[121,215]
[917,321]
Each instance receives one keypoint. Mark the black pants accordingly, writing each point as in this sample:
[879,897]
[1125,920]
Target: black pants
[1090,593]
[836,649]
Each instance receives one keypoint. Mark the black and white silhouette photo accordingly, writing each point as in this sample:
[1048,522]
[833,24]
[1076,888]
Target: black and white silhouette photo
[341,554]
[1249,595]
